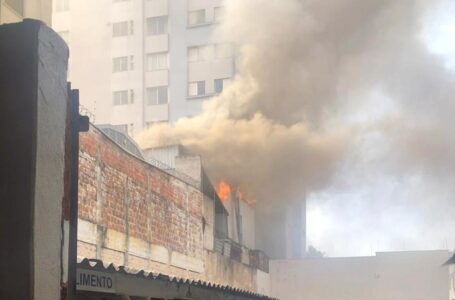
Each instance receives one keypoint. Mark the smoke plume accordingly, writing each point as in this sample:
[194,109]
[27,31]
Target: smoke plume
[326,91]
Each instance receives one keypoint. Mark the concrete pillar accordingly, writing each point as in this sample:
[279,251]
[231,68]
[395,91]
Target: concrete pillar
[33,115]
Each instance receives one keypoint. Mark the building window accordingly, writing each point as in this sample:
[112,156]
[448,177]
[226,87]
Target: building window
[198,53]
[157,25]
[120,97]
[62,5]
[196,17]
[120,29]
[120,64]
[157,61]
[17,5]
[218,14]
[157,95]
[196,88]
[223,50]
[220,84]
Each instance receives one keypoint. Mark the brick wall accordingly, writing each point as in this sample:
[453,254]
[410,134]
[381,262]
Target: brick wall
[134,206]
[136,215]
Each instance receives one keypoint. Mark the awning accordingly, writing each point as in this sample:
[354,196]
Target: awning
[94,276]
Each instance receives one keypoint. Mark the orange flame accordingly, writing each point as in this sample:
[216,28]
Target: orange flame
[246,199]
[223,190]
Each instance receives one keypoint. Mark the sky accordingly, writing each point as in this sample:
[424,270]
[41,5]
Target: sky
[366,210]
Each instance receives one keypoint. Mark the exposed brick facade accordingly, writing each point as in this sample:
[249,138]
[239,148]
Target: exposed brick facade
[134,214]
[120,192]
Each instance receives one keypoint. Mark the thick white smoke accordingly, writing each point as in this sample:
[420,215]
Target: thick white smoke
[299,116]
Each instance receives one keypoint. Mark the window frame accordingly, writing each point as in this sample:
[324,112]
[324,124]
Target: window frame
[154,28]
[124,30]
[199,84]
[198,22]
[153,95]
[224,81]
[149,65]
[204,53]
[121,101]
[119,64]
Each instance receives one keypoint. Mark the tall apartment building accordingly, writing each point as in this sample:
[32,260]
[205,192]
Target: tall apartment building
[138,62]
[12,11]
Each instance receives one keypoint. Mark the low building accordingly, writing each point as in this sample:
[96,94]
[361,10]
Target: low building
[137,215]
[408,275]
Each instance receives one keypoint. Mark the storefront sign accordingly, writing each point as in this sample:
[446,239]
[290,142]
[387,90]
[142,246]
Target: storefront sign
[88,280]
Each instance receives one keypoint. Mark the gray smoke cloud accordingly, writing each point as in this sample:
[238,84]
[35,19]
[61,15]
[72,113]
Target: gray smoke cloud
[299,117]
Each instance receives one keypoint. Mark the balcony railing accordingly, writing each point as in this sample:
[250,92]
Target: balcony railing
[254,258]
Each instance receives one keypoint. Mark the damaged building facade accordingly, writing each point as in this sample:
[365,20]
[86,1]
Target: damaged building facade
[154,217]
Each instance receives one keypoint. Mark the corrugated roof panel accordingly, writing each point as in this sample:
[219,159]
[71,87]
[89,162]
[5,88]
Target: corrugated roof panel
[98,265]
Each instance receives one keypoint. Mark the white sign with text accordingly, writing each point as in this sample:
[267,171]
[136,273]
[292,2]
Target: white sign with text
[87,280]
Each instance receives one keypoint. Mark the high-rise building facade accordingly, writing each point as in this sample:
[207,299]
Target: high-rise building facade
[12,11]
[139,62]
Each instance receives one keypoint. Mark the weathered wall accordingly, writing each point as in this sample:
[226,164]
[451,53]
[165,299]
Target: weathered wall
[209,223]
[134,214]
[33,110]
[393,276]
[50,164]
[139,214]
[223,270]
